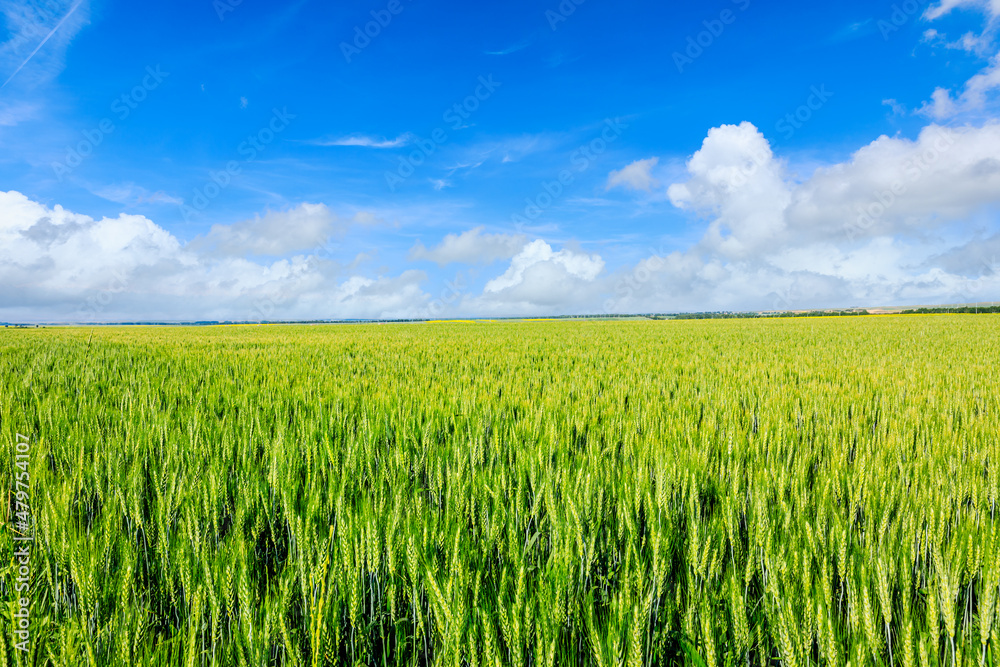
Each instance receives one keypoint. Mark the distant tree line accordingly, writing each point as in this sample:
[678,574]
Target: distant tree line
[962,309]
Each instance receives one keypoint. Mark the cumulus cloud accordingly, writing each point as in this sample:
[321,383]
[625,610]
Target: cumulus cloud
[384,297]
[540,280]
[978,257]
[901,186]
[888,226]
[275,233]
[577,265]
[735,178]
[636,176]
[893,185]
[57,265]
[471,247]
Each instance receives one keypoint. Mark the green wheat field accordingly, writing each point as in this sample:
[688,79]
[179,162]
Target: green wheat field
[786,492]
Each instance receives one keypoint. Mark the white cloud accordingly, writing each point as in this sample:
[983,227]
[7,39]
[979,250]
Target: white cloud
[385,298]
[636,176]
[972,43]
[979,87]
[888,226]
[53,256]
[367,219]
[897,108]
[898,186]
[979,257]
[578,265]
[890,186]
[56,265]
[979,90]
[471,247]
[941,105]
[975,97]
[276,233]
[991,7]
[735,177]
[541,280]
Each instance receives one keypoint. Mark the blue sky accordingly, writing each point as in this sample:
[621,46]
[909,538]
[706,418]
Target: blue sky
[247,160]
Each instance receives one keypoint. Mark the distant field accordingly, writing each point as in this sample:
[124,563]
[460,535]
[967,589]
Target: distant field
[733,492]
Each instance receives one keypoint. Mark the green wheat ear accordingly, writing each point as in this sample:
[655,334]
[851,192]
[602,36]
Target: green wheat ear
[779,492]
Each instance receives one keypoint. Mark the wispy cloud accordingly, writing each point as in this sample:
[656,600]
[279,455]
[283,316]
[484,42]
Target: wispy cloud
[854,31]
[12,114]
[511,149]
[560,58]
[513,48]
[364,141]
[25,24]
[131,194]
[897,108]
[470,247]
[465,165]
